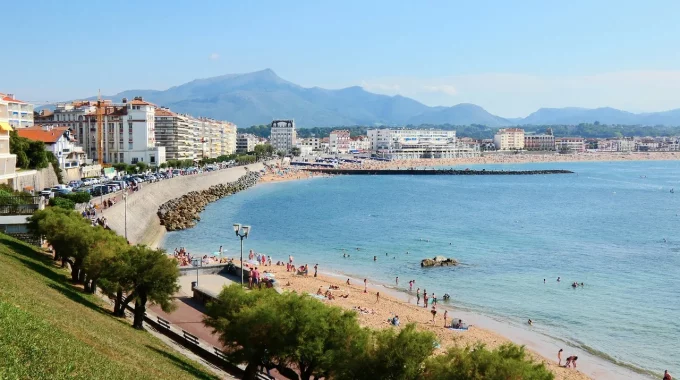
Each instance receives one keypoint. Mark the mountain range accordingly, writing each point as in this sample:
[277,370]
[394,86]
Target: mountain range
[259,97]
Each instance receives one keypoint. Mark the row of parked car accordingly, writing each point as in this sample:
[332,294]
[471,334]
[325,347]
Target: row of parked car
[104,185]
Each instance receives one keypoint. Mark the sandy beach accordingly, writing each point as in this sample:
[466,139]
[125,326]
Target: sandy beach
[388,305]
[524,158]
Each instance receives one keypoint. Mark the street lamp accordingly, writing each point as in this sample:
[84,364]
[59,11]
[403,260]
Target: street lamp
[125,196]
[242,232]
[196,262]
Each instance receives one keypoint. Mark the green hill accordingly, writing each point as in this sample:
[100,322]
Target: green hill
[51,330]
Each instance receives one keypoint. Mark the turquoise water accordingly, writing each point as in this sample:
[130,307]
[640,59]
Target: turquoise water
[604,226]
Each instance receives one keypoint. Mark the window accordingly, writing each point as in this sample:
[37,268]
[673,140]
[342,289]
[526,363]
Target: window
[122,157]
[152,159]
[134,160]
[129,146]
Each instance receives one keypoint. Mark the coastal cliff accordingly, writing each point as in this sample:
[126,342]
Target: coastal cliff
[143,224]
[183,212]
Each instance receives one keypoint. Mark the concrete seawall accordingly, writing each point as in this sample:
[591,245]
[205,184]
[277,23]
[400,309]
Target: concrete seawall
[143,225]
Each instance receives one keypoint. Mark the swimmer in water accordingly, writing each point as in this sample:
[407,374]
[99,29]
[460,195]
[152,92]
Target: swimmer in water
[531,323]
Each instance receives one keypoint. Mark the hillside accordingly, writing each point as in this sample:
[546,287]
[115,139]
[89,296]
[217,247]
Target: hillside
[51,330]
[259,97]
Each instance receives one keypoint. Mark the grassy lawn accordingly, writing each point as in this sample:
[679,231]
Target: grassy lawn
[50,330]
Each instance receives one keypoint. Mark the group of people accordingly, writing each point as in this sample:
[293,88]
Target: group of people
[182,256]
[426,299]
[328,294]
[571,360]
[259,258]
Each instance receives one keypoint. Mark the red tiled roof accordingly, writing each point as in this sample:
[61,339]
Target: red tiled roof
[140,103]
[40,134]
[8,99]
[162,112]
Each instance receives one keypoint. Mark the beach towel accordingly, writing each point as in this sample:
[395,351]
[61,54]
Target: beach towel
[459,328]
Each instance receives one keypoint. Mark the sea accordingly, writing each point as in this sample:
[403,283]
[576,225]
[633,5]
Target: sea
[613,226]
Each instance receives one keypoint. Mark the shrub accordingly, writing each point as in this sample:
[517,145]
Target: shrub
[76,197]
[64,203]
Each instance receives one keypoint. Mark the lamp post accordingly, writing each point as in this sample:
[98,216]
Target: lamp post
[125,196]
[196,262]
[242,232]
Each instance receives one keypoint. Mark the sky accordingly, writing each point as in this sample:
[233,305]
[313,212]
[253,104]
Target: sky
[510,57]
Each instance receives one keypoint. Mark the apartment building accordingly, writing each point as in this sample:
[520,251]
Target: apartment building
[128,129]
[339,141]
[8,161]
[542,142]
[570,144]
[313,143]
[509,139]
[19,113]
[283,136]
[359,144]
[176,133]
[616,145]
[246,142]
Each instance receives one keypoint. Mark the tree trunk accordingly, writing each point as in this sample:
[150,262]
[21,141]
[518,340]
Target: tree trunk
[82,277]
[75,270]
[117,306]
[306,373]
[251,371]
[140,310]
[287,372]
[93,286]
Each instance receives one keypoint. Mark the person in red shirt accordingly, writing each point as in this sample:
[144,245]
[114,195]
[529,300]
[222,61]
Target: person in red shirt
[667,376]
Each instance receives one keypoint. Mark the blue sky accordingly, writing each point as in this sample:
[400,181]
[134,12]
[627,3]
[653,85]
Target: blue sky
[509,57]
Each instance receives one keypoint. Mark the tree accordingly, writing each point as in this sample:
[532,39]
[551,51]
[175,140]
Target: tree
[505,362]
[153,277]
[141,167]
[120,166]
[295,151]
[106,248]
[284,331]
[131,169]
[392,355]
[163,165]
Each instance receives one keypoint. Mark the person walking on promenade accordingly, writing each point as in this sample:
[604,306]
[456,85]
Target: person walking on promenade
[316,268]
[418,296]
[559,357]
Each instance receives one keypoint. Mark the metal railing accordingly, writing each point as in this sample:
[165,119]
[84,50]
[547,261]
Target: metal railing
[19,205]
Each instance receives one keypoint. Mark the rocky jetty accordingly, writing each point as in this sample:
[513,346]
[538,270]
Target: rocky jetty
[438,261]
[183,212]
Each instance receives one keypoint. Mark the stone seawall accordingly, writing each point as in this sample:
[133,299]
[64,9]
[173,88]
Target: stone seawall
[183,212]
[143,224]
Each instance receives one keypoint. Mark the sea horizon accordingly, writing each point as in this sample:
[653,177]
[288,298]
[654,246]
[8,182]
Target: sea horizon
[405,226]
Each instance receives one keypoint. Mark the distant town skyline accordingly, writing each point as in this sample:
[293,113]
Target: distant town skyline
[511,59]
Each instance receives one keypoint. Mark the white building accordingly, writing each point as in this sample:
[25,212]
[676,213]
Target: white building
[359,143]
[128,130]
[417,143]
[509,139]
[314,143]
[339,141]
[19,113]
[570,144]
[59,141]
[283,135]
[246,142]
[8,161]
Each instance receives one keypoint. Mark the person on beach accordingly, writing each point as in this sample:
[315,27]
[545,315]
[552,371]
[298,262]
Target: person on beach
[418,296]
[530,322]
[347,282]
[397,281]
[559,357]
[250,281]
[434,299]
[446,315]
[571,361]
[220,250]
[410,286]
[269,260]
[667,376]
[306,270]
[320,292]
[377,297]
[434,313]
[425,301]
[365,286]
[316,267]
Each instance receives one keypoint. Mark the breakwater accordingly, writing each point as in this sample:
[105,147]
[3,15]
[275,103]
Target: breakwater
[435,172]
[183,212]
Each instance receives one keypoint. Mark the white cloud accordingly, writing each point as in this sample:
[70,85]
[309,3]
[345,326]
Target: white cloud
[513,95]
[214,57]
